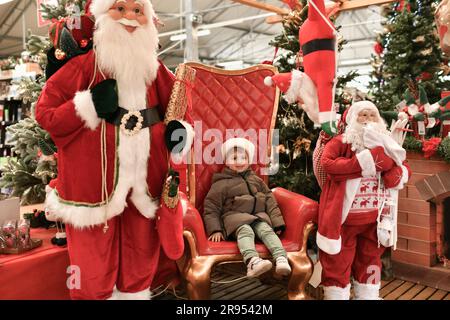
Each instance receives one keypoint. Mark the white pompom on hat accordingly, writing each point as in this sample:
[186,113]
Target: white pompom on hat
[99,7]
[242,143]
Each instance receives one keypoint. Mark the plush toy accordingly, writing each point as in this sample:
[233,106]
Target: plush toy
[104,110]
[318,46]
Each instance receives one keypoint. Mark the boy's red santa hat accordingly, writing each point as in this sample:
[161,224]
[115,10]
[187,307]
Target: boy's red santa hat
[241,143]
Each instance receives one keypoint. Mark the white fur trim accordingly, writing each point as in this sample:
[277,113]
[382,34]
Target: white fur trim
[134,153]
[351,188]
[85,109]
[328,116]
[240,143]
[357,107]
[77,216]
[365,291]
[366,163]
[330,246]
[141,295]
[403,180]
[292,94]
[99,7]
[336,293]
[268,81]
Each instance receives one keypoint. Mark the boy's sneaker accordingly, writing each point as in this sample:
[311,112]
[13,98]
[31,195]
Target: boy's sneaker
[282,266]
[257,267]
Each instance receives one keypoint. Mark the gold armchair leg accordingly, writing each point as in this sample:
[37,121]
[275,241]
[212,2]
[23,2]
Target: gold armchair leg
[198,278]
[302,269]
[301,273]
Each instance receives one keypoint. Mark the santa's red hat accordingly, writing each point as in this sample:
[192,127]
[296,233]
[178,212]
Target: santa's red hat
[297,86]
[289,83]
[99,7]
[356,108]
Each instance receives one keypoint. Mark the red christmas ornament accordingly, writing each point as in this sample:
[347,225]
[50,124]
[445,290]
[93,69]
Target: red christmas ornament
[401,6]
[424,76]
[422,109]
[84,43]
[378,48]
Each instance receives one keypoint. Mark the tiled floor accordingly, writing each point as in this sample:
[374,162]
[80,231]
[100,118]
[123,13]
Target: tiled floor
[228,284]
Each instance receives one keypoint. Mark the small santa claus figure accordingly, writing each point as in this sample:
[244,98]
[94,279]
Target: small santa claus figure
[104,110]
[365,168]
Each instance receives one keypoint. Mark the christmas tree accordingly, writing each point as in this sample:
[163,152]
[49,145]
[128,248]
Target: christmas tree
[297,134]
[34,163]
[408,54]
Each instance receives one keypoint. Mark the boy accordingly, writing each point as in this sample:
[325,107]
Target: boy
[240,206]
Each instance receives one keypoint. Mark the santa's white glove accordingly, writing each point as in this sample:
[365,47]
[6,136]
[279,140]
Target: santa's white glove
[372,138]
[49,215]
[398,132]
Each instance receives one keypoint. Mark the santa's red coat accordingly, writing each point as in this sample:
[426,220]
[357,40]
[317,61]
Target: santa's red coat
[341,165]
[79,184]
[66,111]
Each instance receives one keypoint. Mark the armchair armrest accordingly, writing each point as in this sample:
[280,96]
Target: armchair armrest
[193,222]
[297,211]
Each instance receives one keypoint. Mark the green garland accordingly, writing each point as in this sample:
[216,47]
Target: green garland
[411,144]
[444,149]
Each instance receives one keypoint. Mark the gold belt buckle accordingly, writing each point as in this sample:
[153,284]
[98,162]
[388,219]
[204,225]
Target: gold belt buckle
[126,118]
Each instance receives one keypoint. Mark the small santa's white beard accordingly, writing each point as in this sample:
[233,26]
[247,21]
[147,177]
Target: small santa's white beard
[354,133]
[127,57]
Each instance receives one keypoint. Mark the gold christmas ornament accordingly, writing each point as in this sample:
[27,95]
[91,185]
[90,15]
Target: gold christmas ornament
[419,39]
[426,52]
[59,54]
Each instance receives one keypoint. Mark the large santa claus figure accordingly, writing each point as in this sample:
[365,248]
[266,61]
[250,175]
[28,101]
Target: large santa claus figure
[365,168]
[104,111]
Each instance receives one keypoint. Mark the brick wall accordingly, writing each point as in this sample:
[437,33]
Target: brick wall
[416,217]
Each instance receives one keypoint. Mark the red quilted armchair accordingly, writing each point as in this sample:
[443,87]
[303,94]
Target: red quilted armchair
[238,100]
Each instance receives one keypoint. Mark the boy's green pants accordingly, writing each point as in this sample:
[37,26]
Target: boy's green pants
[245,235]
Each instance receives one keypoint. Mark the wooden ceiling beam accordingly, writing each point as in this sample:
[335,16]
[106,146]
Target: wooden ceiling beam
[263,6]
[345,5]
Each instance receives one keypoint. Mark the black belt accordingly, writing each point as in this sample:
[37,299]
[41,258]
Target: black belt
[133,121]
[317,45]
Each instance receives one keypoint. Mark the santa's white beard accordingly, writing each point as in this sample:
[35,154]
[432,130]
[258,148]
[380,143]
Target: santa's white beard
[355,131]
[130,58]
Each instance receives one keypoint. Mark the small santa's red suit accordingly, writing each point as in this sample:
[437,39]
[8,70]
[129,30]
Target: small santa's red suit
[125,259]
[348,230]
[317,38]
